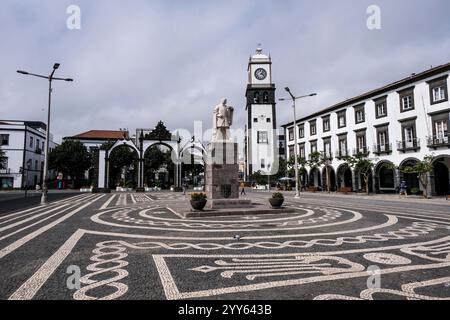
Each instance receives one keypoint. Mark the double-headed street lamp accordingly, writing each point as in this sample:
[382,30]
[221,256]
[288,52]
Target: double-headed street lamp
[294,99]
[50,78]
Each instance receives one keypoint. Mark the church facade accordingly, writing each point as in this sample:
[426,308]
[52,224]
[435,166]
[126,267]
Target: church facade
[261,145]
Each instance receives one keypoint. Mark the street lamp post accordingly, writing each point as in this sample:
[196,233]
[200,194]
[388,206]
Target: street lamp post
[50,78]
[294,99]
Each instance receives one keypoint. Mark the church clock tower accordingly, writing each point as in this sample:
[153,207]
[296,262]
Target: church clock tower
[261,145]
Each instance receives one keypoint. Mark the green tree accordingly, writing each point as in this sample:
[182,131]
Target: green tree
[422,169]
[283,169]
[259,178]
[302,163]
[318,159]
[362,164]
[159,133]
[71,158]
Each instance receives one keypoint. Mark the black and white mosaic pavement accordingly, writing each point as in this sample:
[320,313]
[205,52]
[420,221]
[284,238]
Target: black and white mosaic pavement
[137,246]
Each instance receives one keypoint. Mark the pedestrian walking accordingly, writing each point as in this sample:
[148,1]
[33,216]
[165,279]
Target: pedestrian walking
[243,189]
[403,191]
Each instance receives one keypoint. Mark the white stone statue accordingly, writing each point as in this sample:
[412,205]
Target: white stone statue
[222,121]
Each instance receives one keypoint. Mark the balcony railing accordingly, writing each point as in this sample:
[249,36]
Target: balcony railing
[38,150]
[342,154]
[438,141]
[5,171]
[404,146]
[382,148]
[364,151]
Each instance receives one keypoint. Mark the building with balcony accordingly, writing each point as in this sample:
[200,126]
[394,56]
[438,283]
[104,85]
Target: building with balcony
[396,125]
[23,143]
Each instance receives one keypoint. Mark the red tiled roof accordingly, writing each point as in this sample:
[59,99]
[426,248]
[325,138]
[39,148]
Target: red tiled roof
[101,134]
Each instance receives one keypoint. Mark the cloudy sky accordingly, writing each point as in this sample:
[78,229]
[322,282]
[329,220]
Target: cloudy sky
[136,62]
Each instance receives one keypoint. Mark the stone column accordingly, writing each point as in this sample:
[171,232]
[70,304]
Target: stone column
[143,173]
[101,169]
[374,182]
[139,173]
[431,187]
[355,179]
[107,173]
[397,178]
[431,184]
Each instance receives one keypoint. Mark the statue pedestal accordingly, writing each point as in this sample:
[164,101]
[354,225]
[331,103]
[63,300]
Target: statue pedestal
[222,173]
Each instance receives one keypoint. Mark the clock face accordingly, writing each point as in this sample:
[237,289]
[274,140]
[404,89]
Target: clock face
[260,74]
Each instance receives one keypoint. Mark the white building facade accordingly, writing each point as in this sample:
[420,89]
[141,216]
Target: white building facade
[261,145]
[23,143]
[396,126]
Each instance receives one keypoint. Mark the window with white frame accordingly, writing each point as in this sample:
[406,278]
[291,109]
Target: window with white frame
[380,109]
[382,140]
[438,90]
[359,116]
[326,124]
[31,142]
[263,137]
[327,148]
[302,151]
[343,146]
[313,128]
[361,143]
[301,131]
[4,139]
[342,122]
[291,134]
[441,127]
[438,94]
[407,103]
[409,136]
[313,147]
[406,99]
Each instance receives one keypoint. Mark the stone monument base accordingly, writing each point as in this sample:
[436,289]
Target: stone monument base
[254,210]
[229,203]
[221,170]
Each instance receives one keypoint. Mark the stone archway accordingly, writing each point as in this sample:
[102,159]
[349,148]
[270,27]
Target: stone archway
[344,177]
[158,168]
[315,178]
[104,165]
[123,166]
[411,179]
[192,157]
[145,139]
[332,175]
[441,173]
[385,177]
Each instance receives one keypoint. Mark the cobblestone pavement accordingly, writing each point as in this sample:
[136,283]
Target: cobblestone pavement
[137,246]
